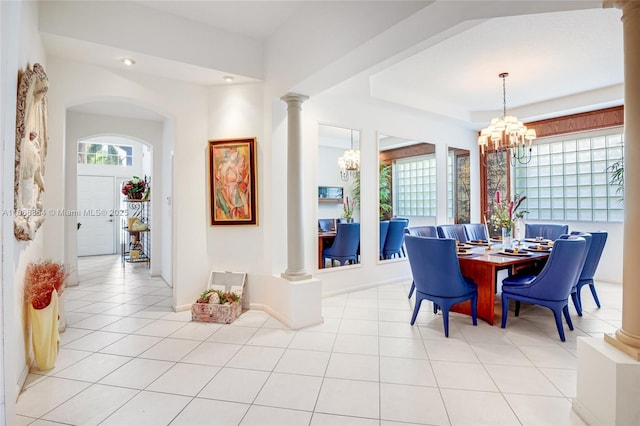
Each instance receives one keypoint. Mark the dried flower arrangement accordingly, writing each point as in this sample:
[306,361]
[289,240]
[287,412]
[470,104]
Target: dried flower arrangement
[218,297]
[40,279]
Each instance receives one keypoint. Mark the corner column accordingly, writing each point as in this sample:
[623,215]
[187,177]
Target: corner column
[295,231]
[609,370]
[627,338]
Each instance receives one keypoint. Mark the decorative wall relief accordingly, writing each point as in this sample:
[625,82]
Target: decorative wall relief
[31,150]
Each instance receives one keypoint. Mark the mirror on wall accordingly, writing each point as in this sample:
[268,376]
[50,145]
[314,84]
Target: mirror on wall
[407,190]
[338,196]
[458,186]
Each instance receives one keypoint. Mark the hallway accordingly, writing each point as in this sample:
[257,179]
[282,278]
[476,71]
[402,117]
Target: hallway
[127,359]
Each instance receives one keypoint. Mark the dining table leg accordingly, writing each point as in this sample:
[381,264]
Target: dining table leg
[484,275]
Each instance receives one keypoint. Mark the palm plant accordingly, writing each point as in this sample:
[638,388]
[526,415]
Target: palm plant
[384,189]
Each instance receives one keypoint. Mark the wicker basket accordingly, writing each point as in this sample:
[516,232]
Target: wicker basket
[213,312]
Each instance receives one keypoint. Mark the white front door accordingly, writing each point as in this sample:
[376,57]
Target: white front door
[96,207]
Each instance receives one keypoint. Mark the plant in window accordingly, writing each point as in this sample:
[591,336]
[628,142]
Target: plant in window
[617,176]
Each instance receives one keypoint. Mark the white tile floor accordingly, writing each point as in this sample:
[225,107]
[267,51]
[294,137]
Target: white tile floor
[127,359]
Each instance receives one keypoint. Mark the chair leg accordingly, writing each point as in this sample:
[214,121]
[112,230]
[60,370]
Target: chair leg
[558,317]
[445,320]
[413,287]
[565,311]
[416,308]
[595,295]
[517,308]
[505,310]
[576,303]
[435,308]
[474,309]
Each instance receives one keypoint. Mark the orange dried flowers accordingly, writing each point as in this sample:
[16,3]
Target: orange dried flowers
[40,279]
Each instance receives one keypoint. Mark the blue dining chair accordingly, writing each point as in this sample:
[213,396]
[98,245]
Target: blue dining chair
[476,232]
[550,231]
[384,230]
[598,240]
[552,286]
[452,231]
[436,274]
[395,238]
[345,245]
[422,231]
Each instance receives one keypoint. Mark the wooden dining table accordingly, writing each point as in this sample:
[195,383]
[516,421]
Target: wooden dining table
[482,267]
[325,239]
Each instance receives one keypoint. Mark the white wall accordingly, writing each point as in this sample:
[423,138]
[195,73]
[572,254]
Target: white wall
[80,126]
[185,131]
[20,45]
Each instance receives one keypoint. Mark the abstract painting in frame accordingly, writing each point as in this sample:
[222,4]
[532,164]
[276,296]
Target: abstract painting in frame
[232,181]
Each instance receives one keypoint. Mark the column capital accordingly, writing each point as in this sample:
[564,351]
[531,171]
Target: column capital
[625,5]
[290,98]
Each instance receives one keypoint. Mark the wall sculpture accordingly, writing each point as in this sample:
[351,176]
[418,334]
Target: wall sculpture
[31,150]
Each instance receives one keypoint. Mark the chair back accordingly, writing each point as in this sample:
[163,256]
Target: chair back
[422,231]
[395,236]
[452,231]
[326,225]
[435,267]
[384,230]
[550,231]
[598,240]
[561,271]
[476,231]
[346,241]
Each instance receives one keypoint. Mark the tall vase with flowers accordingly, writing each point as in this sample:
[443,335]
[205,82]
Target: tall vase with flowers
[348,207]
[135,188]
[43,282]
[505,213]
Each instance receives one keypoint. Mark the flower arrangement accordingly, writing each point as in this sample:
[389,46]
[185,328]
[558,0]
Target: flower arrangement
[40,279]
[218,297]
[135,188]
[505,211]
[348,207]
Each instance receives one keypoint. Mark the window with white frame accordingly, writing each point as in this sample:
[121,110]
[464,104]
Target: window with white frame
[105,154]
[568,178]
[414,186]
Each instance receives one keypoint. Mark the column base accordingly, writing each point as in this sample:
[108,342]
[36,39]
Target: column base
[624,342]
[297,304]
[607,390]
[295,276]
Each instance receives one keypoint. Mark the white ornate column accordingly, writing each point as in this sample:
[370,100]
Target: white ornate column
[295,230]
[609,370]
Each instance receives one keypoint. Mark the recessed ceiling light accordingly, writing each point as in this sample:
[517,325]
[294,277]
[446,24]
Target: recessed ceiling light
[128,61]
[228,78]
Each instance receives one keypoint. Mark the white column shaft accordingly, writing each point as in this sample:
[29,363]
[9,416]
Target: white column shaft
[295,227]
[630,331]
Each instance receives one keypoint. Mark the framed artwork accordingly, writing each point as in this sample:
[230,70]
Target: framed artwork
[232,181]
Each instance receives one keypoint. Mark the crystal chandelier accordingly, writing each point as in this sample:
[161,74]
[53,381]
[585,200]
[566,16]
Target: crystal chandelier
[349,162]
[507,133]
